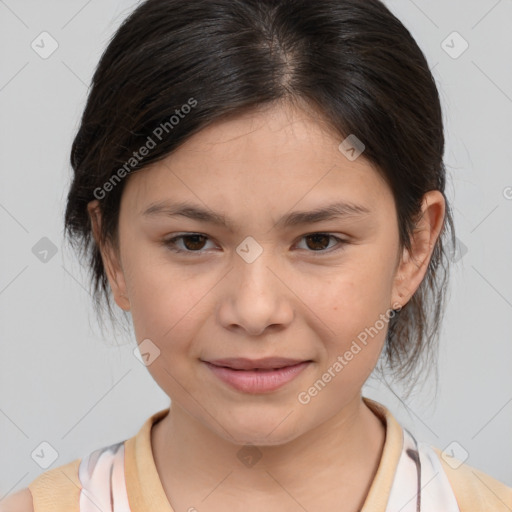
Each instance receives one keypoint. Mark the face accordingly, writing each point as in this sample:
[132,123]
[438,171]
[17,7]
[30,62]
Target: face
[264,282]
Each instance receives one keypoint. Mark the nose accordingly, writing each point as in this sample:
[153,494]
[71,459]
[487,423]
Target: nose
[256,297]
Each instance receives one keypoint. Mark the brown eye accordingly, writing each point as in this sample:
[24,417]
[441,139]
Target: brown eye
[192,243]
[319,242]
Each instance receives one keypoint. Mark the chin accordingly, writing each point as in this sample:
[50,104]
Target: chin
[260,432]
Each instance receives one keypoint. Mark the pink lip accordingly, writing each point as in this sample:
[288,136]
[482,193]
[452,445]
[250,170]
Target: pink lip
[257,381]
[243,363]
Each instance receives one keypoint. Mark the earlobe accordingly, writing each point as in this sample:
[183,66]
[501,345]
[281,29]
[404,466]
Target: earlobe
[110,258]
[414,263]
[115,277]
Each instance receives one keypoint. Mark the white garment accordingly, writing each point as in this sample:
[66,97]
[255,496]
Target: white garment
[101,475]
[420,483]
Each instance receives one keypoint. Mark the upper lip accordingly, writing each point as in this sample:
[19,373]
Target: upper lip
[242,363]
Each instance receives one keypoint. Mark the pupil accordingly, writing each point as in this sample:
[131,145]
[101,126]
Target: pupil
[186,241]
[316,237]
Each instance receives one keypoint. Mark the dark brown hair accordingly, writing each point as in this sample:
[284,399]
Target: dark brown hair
[178,66]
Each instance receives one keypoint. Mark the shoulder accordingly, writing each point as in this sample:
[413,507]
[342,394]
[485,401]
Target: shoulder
[473,489]
[20,501]
[56,490]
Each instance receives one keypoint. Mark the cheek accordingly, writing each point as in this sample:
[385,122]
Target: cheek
[168,308]
[165,300]
[354,306]
[356,313]
[356,295]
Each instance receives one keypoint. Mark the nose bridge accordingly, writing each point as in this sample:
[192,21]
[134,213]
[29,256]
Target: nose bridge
[252,268]
[256,294]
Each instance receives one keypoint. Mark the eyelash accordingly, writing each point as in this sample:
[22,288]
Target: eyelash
[171,243]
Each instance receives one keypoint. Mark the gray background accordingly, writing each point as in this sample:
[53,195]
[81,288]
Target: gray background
[62,383]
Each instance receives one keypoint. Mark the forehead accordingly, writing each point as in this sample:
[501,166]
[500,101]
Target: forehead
[270,159]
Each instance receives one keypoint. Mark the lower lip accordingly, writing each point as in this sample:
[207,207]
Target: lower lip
[257,381]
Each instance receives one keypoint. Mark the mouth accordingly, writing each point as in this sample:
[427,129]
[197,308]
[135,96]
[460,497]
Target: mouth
[265,364]
[257,376]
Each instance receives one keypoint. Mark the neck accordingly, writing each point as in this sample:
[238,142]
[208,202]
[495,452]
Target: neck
[340,455]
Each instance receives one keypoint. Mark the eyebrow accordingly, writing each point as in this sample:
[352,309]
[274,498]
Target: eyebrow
[332,211]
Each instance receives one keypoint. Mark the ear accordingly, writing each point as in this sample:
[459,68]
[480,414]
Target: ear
[414,264]
[110,257]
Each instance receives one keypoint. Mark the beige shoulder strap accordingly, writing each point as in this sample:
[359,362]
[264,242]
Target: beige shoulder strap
[57,490]
[475,491]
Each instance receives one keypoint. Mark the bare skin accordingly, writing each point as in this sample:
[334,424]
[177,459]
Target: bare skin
[297,299]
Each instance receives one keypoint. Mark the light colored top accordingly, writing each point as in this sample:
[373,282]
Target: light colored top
[123,477]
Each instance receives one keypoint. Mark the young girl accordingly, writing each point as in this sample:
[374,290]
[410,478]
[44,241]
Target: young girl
[260,185]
